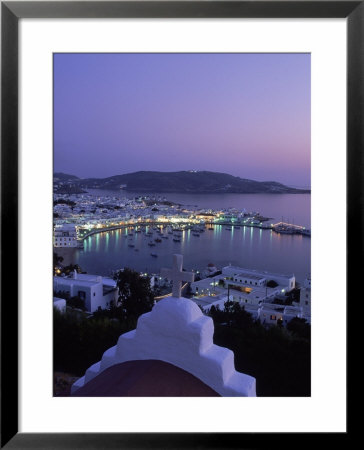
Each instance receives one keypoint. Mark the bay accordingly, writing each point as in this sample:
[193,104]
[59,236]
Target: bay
[247,247]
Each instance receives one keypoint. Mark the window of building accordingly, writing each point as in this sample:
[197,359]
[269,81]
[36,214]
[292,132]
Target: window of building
[273,317]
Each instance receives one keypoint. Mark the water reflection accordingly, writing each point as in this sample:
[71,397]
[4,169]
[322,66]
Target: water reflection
[266,251]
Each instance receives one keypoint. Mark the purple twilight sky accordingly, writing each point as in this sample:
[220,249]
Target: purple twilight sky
[244,114]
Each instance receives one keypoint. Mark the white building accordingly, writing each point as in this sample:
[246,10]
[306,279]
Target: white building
[254,310]
[305,299]
[65,236]
[305,295]
[290,312]
[248,287]
[60,304]
[97,292]
[259,278]
[208,286]
[207,301]
[271,314]
[251,289]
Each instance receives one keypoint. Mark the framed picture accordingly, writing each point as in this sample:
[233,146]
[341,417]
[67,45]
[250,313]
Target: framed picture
[36,54]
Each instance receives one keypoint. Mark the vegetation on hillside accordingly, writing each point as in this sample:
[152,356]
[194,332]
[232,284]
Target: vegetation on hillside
[279,358]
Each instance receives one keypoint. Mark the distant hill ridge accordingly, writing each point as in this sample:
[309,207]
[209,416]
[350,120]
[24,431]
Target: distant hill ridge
[191,182]
[60,176]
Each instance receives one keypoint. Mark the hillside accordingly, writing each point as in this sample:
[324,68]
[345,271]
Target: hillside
[186,182]
[64,177]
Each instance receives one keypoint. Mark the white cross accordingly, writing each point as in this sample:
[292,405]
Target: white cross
[177,275]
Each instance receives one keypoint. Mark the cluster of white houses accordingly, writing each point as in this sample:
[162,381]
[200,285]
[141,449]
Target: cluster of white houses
[256,291]
[97,292]
[91,211]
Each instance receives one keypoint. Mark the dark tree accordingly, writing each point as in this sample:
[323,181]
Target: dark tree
[71,268]
[233,315]
[57,259]
[299,327]
[57,266]
[135,294]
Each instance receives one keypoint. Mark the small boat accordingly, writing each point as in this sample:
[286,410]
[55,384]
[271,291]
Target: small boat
[196,234]
[211,229]
[165,237]
[176,240]
[131,245]
[154,254]
[170,232]
[284,230]
[158,240]
[229,228]
[151,244]
[238,228]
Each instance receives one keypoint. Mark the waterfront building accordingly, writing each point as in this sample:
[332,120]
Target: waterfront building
[65,236]
[96,291]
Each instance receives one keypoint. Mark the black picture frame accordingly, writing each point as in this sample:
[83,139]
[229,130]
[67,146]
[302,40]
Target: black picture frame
[11,12]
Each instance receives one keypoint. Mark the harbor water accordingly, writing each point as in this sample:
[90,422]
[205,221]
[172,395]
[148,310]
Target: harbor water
[247,247]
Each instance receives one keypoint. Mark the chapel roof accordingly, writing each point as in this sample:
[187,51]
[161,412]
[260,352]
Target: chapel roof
[145,378]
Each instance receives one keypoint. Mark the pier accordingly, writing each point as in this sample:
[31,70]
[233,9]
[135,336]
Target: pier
[290,228]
